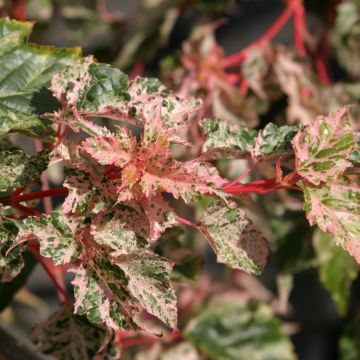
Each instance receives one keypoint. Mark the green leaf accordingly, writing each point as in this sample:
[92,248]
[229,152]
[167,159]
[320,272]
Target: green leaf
[349,344]
[337,269]
[239,332]
[111,290]
[234,238]
[56,234]
[335,208]
[20,169]
[323,147]
[67,336]
[25,74]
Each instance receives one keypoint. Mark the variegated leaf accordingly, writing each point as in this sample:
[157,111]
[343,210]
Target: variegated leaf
[148,277]
[17,168]
[160,215]
[273,141]
[87,89]
[82,193]
[56,234]
[71,337]
[323,147]
[227,139]
[185,180]
[123,230]
[96,296]
[114,149]
[112,290]
[234,238]
[335,208]
[234,331]
[11,262]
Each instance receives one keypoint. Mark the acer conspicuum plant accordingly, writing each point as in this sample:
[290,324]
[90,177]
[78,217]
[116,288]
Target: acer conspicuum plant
[124,185]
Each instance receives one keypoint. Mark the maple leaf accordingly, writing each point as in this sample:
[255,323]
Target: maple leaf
[234,324]
[84,191]
[297,81]
[17,168]
[344,36]
[56,234]
[112,291]
[335,208]
[186,180]
[11,260]
[112,149]
[234,238]
[224,139]
[67,336]
[323,147]
[87,89]
[273,141]
[123,230]
[26,74]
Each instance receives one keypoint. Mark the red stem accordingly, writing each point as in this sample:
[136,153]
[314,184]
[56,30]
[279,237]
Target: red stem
[274,29]
[150,340]
[41,194]
[19,10]
[184,221]
[40,260]
[242,176]
[299,26]
[60,138]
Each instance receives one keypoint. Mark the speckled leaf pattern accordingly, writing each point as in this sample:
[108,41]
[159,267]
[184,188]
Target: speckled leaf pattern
[56,234]
[121,230]
[89,89]
[185,180]
[113,149]
[113,290]
[11,262]
[148,278]
[223,136]
[160,216]
[71,337]
[231,331]
[234,238]
[95,300]
[323,147]
[337,269]
[24,95]
[82,195]
[273,140]
[335,208]
[17,168]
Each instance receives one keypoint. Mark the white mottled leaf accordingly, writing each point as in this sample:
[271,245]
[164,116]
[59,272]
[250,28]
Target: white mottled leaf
[234,238]
[335,208]
[71,337]
[323,147]
[56,234]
